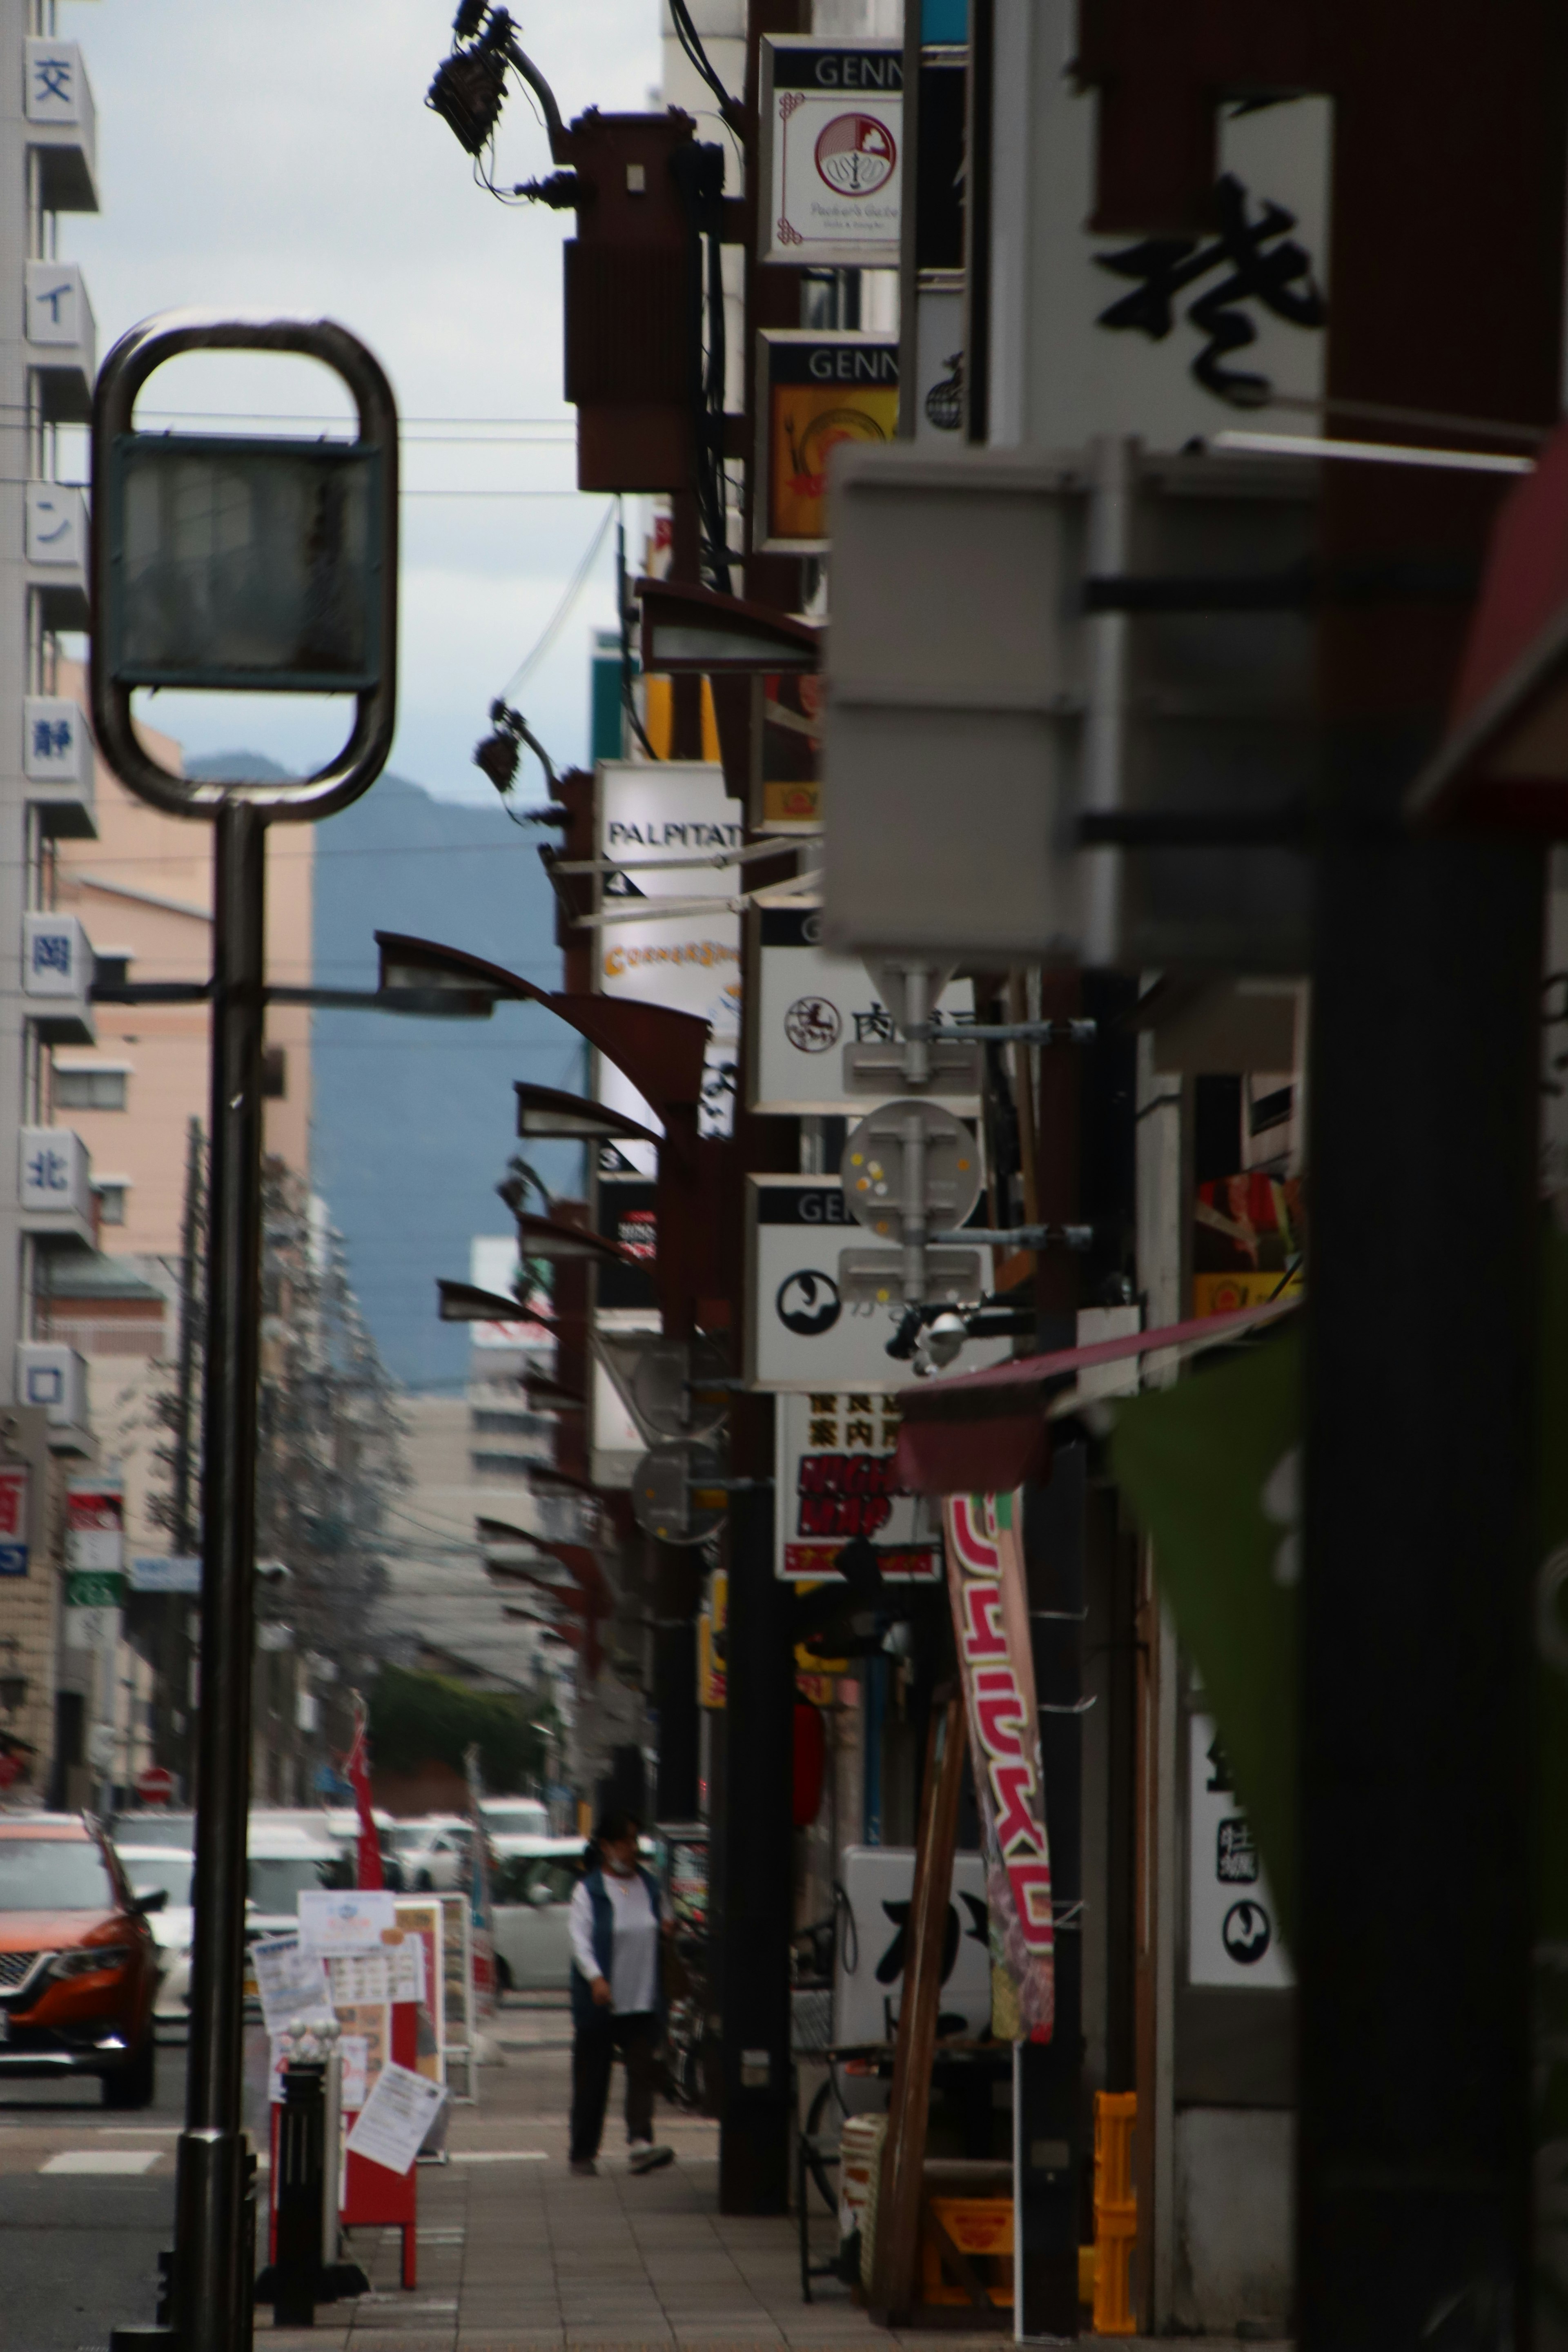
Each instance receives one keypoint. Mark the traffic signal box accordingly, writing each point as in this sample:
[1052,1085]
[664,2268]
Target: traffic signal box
[632,288]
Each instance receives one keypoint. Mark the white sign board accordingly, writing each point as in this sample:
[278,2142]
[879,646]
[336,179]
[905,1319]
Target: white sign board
[1233,1931]
[878,1881]
[292,1984]
[674,815]
[395,1972]
[811,1006]
[833,1483]
[396,2118]
[833,127]
[346,1920]
[1170,338]
[800,1334]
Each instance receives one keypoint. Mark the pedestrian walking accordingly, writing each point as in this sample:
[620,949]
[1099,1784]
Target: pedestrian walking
[616,1922]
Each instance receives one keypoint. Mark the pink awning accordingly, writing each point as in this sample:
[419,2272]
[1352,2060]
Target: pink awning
[983,1432]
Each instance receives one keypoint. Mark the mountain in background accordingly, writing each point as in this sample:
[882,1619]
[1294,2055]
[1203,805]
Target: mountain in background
[414,1120]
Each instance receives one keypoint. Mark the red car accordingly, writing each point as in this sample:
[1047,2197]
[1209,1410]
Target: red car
[79,1965]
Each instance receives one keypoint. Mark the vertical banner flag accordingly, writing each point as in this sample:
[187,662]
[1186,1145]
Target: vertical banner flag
[368,1871]
[990,1623]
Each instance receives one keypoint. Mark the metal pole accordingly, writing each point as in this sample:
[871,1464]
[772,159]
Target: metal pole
[213,2268]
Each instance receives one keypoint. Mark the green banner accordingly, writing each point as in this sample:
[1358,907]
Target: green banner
[94,1588]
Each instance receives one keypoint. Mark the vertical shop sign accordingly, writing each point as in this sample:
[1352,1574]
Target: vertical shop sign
[14,1522]
[991,1624]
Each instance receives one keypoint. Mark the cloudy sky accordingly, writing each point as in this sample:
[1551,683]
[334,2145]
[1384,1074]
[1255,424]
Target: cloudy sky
[277,155]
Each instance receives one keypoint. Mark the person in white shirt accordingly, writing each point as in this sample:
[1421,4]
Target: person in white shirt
[615,1924]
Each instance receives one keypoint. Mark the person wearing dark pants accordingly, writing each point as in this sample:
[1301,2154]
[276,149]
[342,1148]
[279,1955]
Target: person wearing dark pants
[617,1924]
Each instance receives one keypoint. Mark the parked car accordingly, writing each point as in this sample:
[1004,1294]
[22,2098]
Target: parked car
[153,1869]
[78,1964]
[509,1817]
[533,1883]
[282,1863]
[433,1850]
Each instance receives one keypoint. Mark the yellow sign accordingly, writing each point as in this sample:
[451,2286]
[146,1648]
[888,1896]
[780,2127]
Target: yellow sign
[1225,1293]
[819,390]
[710,1673]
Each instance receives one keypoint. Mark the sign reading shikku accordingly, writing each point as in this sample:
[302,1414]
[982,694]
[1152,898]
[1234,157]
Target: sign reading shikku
[991,1624]
[816,390]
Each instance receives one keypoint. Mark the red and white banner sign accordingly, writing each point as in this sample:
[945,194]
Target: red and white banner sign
[991,1622]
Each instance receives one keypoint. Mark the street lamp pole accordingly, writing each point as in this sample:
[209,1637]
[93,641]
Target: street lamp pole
[212,2292]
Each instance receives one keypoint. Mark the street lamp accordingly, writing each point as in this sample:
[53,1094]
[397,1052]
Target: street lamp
[269,564]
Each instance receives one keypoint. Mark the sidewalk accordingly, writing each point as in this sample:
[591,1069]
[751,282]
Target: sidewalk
[516,2255]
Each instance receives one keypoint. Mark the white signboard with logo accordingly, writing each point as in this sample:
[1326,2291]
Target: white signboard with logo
[810,1006]
[832,118]
[667,819]
[833,1483]
[879,1884]
[1233,1928]
[801,1335]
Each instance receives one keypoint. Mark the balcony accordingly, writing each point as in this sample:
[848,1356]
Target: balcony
[56,972]
[58,761]
[62,125]
[54,543]
[61,338]
[56,1180]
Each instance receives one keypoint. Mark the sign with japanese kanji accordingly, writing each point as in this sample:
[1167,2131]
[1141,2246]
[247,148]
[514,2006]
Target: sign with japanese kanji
[810,1006]
[834,1482]
[832,119]
[95,1526]
[1232,1924]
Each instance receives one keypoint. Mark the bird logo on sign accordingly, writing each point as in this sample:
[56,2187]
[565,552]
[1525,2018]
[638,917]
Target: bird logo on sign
[1247,1933]
[807,1304]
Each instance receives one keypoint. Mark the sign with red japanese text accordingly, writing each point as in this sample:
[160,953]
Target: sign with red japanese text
[991,1624]
[832,116]
[833,1482]
[14,1521]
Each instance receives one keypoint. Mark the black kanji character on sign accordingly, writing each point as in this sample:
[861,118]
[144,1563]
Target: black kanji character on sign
[1260,264]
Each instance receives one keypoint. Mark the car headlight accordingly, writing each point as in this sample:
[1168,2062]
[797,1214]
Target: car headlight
[93,1961]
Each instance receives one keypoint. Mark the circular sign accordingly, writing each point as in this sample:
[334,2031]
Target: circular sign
[155,1785]
[1248,1932]
[812,1025]
[807,1304]
[855,154]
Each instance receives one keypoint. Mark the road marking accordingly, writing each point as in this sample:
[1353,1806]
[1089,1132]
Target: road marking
[498,2155]
[102,2159]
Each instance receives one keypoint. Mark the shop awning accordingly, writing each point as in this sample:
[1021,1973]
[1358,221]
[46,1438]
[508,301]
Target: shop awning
[983,1433]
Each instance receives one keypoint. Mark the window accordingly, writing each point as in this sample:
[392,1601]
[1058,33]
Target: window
[274,1072]
[110,1202]
[499,1465]
[89,1089]
[503,1425]
[66,1874]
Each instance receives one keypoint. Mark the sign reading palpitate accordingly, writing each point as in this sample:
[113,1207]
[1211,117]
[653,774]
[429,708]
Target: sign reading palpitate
[832,128]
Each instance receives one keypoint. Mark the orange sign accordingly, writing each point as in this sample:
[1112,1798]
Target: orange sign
[818,391]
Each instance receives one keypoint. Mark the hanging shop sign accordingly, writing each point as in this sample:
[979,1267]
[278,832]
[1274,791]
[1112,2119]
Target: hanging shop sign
[834,1482]
[1248,1241]
[832,120]
[1233,1925]
[803,1335]
[13,1489]
[668,819]
[815,391]
[95,1526]
[991,1627]
[810,1006]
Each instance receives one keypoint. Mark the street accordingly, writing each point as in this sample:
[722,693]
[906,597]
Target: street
[87,2199]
